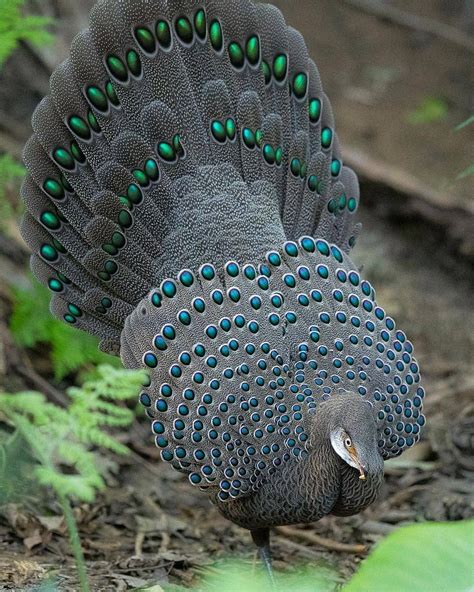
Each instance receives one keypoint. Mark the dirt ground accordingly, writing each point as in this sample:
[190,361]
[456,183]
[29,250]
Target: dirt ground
[150,527]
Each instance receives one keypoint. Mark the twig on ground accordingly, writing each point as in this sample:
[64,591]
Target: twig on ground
[303,550]
[139,540]
[404,495]
[315,539]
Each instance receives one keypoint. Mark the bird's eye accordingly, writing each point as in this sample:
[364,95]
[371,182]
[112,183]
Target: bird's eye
[348,443]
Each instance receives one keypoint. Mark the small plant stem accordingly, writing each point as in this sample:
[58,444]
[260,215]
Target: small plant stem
[75,542]
[23,427]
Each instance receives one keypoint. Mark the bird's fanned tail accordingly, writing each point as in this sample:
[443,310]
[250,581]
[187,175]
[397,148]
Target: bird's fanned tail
[177,133]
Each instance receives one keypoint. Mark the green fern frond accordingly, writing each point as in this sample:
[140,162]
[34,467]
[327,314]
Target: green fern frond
[73,437]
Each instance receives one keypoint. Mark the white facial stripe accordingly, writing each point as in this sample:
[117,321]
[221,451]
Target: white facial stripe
[337,442]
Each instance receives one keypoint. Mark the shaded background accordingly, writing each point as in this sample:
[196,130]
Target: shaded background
[400,77]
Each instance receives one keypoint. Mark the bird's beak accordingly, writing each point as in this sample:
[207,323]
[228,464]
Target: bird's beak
[360,467]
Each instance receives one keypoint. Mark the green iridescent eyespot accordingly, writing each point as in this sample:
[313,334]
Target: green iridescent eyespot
[58,246]
[313,183]
[259,137]
[278,155]
[53,189]
[332,206]
[65,183]
[230,129]
[326,138]
[352,204]
[134,63]
[77,153]
[134,194]
[184,30]
[145,39]
[252,49]
[110,90]
[118,240]
[200,24]
[335,167]
[49,253]
[151,170]
[125,220]
[249,138]
[166,152]
[295,167]
[117,68]
[269,154]
[163,33]
[62,157]
[280,67]
[110,249]
[97,98]
[236,55]
[140,177]
[55,285]
[79,127]
[50,220]
[92,119]
[218,131]
[300,85]
[178,146]
[215,34]
[314,108]
[267,73]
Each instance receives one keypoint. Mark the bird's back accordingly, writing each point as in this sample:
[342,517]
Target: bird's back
[185,149]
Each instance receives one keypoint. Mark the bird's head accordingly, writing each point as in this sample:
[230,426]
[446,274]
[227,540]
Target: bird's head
[351,428]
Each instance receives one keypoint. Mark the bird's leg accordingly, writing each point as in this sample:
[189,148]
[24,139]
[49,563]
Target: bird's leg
[261,538]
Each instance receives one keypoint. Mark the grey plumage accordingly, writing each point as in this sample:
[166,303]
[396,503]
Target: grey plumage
[192,140]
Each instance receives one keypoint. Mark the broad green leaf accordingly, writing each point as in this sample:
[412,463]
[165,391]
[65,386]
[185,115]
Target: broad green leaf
[421,558]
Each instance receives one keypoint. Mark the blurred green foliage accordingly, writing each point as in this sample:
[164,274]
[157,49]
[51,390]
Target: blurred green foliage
[431,110]
[31,324]
[11,175]
[16,27]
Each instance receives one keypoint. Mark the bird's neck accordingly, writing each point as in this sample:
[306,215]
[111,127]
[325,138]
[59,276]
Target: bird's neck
[356,494]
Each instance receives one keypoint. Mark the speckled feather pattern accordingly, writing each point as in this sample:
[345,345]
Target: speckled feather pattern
[187,203]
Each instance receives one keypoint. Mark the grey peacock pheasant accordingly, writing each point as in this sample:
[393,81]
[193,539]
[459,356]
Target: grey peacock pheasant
[187,203]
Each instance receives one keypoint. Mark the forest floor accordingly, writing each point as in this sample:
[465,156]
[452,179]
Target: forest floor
[150,527]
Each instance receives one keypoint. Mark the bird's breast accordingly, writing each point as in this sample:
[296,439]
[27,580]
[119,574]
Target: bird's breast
[302,492]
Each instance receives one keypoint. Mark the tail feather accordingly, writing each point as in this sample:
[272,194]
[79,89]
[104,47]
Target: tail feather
[176,133]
